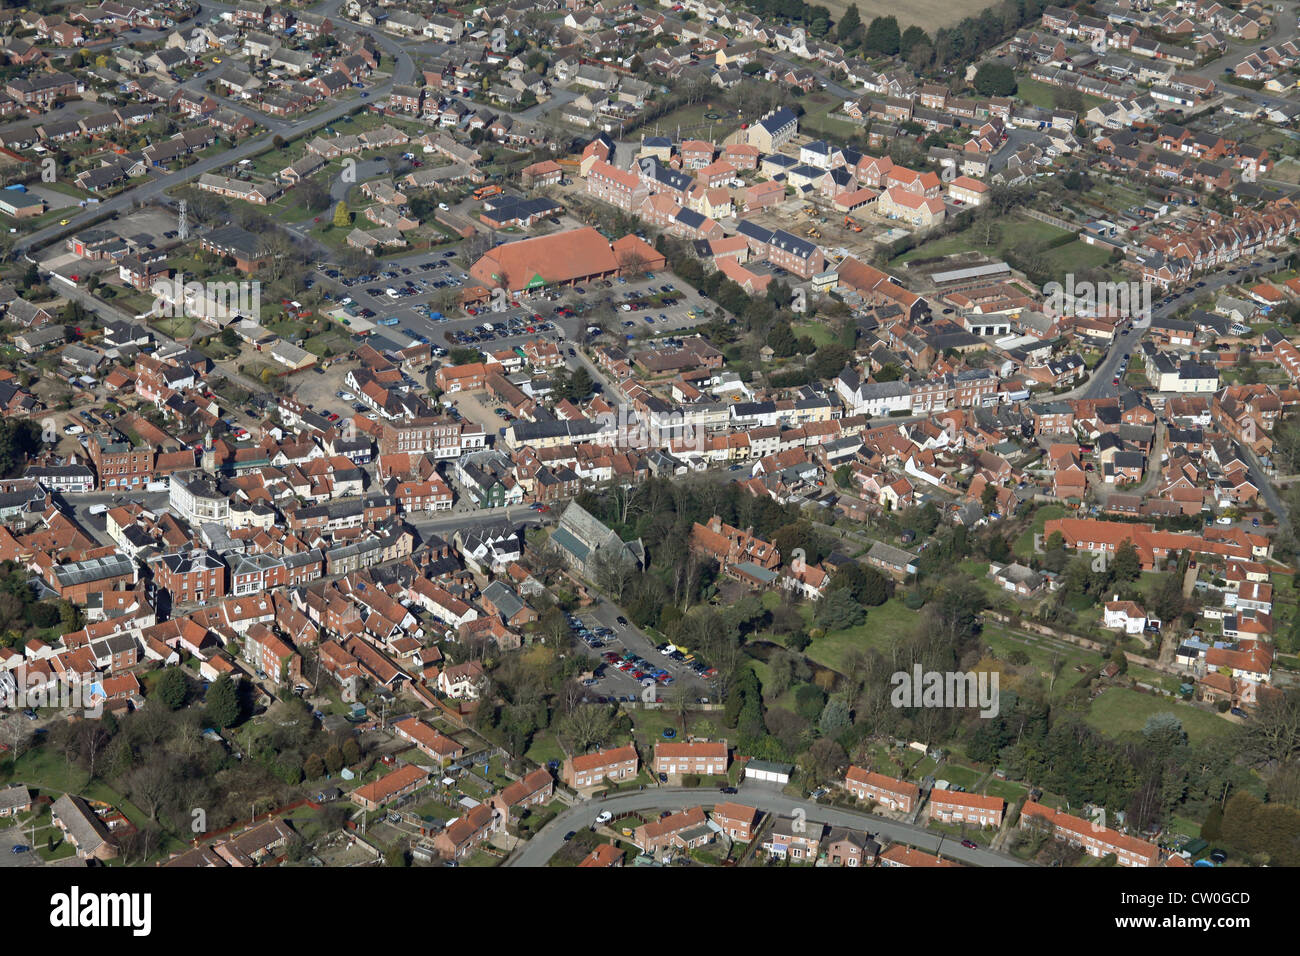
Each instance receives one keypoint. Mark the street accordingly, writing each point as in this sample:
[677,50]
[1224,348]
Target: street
[547,841]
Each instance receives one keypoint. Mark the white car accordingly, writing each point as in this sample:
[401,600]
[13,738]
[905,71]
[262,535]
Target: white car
[604,817]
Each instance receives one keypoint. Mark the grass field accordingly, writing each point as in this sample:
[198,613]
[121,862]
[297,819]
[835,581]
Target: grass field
[928,14]
[1024,546]
[1014,232]
[1044,96]
[1118,712]
[884,624]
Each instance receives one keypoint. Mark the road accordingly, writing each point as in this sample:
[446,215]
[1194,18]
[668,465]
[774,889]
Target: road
[548,840]
[1100,384]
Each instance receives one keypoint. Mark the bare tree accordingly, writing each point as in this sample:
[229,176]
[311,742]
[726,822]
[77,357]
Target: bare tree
[15,735]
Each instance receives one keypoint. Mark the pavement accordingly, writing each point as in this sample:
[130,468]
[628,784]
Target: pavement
[547,841]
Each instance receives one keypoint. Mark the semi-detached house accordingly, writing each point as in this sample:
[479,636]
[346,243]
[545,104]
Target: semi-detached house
[706,758]
[590,770]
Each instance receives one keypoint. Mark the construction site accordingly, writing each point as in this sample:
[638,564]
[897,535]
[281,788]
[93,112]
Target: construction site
[839,234]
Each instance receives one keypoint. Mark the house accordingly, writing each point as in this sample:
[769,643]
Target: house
[774,130]
[389,787]
[794,838]
[616,765]
[433,743]
[957,806]
[83,828]
[533,790]
[849,848]
[15,798]
[882,790]
[464,833]
[736,820]
[685,830]
[699,757]
[1093,838]
[1125,616]
[462,681]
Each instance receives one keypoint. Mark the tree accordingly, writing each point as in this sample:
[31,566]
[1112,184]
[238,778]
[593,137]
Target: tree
[867,585]
[1164,733]
[850,25]
[838,611]
[222,702]
[989,497]
[809,701]
[994,79]
[589,727]
[835,718]
[1127,566]
[333,759]
[913,37]
[313,768]
[882,36]
[1166,599]
[20,439]
[397,856]
[342,218]
[173,688]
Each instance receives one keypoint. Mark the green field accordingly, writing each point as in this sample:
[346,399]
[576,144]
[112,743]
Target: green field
[1011,234]
[883,625]
[1043,95]
[1024,546]
[1118,712]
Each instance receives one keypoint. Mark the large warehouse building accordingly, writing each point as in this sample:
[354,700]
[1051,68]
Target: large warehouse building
[565,258]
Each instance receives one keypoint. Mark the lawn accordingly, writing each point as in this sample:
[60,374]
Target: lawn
[544,749]
[1119,711]
[1014,233]
[883,624]
[1041,655]
[1024,546]
[927,14]
[958,775]
[1043,95]
[819,332]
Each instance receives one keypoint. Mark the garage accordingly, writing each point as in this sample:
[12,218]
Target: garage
[765,771]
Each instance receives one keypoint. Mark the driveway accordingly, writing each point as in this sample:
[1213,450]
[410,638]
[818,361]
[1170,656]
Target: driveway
[10,837]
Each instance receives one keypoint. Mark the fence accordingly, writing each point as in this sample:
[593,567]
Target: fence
[1050,219]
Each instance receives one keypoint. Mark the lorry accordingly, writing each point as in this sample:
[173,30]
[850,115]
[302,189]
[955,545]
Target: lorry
[388,320]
